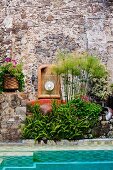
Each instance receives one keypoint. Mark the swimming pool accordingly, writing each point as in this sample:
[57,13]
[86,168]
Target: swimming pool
[60,160]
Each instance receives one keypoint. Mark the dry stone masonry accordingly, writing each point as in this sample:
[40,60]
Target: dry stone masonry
[34,30]
[12,115]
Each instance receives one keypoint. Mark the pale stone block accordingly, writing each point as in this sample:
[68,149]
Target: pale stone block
[2,99]
[11,120]
[8,22]
[20,110]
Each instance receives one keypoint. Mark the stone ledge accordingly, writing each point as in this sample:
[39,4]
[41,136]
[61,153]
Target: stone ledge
[70,143]
[84,142]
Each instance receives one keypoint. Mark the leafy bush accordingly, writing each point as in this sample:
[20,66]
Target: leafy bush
[71,121]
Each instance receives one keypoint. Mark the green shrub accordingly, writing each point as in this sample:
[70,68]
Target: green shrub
[71,121]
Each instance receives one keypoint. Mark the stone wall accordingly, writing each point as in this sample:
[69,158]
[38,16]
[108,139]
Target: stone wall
[12,115]
[33,31]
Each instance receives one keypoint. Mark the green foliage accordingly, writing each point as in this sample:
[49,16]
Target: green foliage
[71,121]
[14,70]
[100,88]
[78,72]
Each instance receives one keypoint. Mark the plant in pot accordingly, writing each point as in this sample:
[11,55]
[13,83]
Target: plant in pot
[11,76]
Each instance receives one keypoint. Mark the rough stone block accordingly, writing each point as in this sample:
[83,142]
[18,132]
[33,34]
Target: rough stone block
[15,100]
[1,138]
[4,105]
[23,102]
[20,110]
[7,111]
[2,99]
[22,117]
[11,120]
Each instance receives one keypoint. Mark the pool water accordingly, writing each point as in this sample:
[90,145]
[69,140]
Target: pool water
[60,160]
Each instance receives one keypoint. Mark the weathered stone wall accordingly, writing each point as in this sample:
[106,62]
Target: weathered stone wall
[12,115]
[33,31]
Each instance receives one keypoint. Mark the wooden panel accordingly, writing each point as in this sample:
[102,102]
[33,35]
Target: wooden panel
[45,74]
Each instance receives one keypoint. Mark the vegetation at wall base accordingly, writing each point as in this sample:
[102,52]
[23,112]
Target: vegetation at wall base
[73,120]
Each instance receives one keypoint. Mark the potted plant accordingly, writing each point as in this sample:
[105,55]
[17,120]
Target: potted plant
[11,76]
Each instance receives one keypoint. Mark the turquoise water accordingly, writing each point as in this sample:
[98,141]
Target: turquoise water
[60,160]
